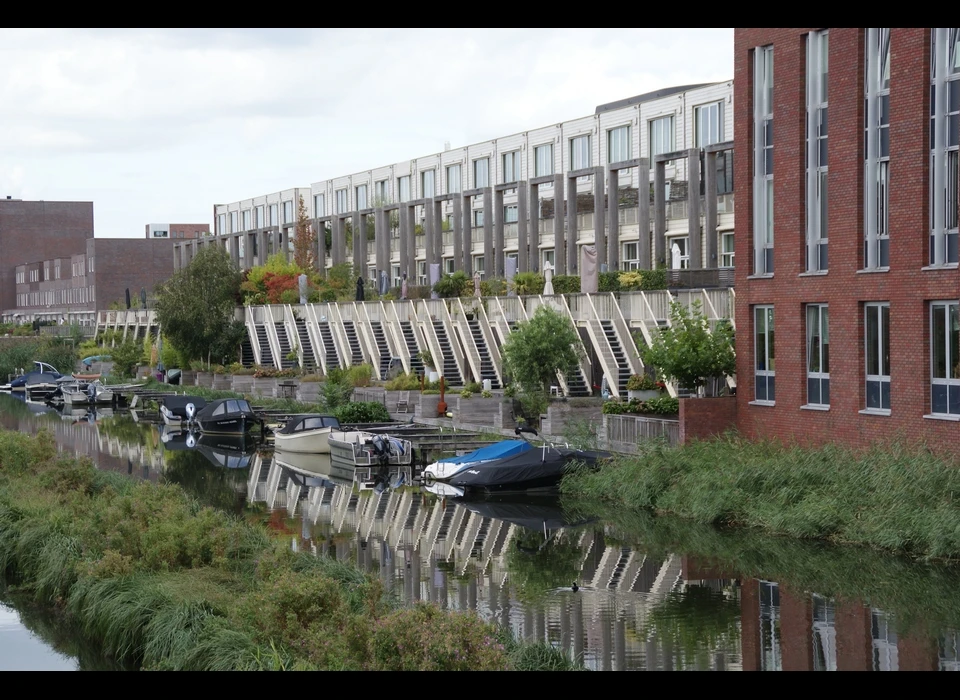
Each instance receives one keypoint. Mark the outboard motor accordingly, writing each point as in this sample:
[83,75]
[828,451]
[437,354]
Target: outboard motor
[191,411]
[191,440]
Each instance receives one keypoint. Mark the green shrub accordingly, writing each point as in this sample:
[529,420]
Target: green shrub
[496,287]
[404,382]
[525,283]
[473,387]
[609,282]
[430,392]
[566,284]
[455,285]
[466,394]
[362,412]
[328,295]
[360,375]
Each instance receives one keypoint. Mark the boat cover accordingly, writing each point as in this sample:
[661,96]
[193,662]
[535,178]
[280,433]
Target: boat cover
[534,468]
[498,450]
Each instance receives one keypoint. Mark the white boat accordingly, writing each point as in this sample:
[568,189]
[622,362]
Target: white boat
[85,394]
[307,433]
[362,449]
[449,467]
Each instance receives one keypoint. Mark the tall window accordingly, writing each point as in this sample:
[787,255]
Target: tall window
[221,224]
[403,188]
[511,166]
[764,375]
[884,632]
[725,172]
[630,259]
[478,218]
[876,181]
[481,172]
[726,249]
[945,356]
[478,264]
[770,656]
[234,227]
[818,355]
[258,223]
[361,197]
[824,634]
[709,119]
[580,152]
[288,212]
[661,136]
[510,214]
[382,192]
[274,220]
[763,160]
[428,183]
[246,219]
[944,144]
[548,257]
[678,252]
[453,178]
[544,159]
[342,204]
[817,71]
[877,352]
[618,144]
[319,205]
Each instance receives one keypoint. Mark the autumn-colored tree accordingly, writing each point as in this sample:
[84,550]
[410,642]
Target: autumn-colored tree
[305,240]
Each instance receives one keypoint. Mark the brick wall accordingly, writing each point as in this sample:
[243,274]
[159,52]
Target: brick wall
[34,231]
[121,263]
[906,286]
[704,418]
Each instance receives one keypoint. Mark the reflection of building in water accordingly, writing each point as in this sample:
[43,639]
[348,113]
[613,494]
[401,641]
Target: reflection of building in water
[436,550]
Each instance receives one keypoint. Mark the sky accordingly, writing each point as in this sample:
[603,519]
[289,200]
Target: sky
[158,125]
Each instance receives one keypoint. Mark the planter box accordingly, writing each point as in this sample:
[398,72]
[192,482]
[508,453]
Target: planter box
[642,394]
[205,379]
[188,377]
[242,383]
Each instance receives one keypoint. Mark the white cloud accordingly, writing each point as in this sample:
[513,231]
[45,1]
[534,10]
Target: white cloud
[158,124]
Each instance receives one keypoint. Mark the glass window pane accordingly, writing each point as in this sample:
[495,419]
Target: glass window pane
[939,342]
[813,338]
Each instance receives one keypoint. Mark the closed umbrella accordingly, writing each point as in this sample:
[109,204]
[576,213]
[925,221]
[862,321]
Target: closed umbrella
[403,287]
[359,288]
[548,279]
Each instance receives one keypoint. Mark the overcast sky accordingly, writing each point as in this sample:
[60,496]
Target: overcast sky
[155,126]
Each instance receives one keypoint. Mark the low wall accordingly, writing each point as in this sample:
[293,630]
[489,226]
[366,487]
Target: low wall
[704,418]
[560,415]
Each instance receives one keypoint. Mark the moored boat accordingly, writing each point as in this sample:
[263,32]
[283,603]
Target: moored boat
[78,393]
[307,433]
[446,468]
[359,448]
[226,417]
[177,410]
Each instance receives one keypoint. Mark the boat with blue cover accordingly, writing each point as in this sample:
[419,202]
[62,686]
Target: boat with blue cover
[447,468]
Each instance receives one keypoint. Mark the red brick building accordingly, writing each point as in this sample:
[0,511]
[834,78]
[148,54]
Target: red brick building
[176,230]
[847,236]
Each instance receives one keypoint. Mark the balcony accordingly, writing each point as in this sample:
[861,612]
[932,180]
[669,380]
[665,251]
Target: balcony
[706,278]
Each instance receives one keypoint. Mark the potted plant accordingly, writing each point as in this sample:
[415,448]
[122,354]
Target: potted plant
[426,357]
[643,387]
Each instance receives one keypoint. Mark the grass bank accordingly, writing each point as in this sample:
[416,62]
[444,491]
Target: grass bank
[896,498]
[158,581]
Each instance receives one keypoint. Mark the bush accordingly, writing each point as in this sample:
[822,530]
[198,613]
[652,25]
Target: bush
[525,283]
[126,357]
[455,285]
[566,284]
[337,390]
[486,394]
[495,287]
[404,382]
[473,387]
[362,412]
[360,375]
[328,295]
[466,394]
[609,282]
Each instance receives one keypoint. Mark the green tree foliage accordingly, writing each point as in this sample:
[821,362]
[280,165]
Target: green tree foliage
[195,307]
[539,348]
[455,285]
[305,240]
[126,356]
[688,352]
[525,283]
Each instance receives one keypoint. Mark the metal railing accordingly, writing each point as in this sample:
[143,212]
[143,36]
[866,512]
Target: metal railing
[629,431]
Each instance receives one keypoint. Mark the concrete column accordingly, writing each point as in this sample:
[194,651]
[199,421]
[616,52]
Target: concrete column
[381,237]
[248,249]
[559,250]
[339,242]
[523,264]
[534,206]
[613,223]
[364,243]
[693,209]
[457,233]
[710,209]
[438,232]
[263,249]
[498,254]
[358,264]
[572,233]
[404,248]
[467,207]
[643,214]
[488,262]
[660,214]
[429,232]
[321,250]
[412,244]
[599,234]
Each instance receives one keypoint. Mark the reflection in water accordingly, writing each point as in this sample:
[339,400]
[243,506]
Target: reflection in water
[589,587]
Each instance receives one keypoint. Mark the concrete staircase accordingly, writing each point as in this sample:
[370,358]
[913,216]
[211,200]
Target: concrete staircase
[309,363]
[284,341]
[329,347]
[380,338]
[450,371]
[619,356]
[487,370]
[356,352]
[266,356]
[413,347]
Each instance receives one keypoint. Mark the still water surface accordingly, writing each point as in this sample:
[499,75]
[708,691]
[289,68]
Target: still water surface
[622,591]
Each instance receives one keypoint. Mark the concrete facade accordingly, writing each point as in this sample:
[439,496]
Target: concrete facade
[913,389]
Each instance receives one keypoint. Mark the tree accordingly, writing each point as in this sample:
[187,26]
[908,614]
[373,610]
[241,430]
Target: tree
[195,307]
[305,240]
[688,353]
[539,348]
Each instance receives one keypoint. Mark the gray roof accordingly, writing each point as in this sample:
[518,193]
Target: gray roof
[647,96]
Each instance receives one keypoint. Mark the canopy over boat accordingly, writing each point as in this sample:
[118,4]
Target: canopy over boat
[498,450]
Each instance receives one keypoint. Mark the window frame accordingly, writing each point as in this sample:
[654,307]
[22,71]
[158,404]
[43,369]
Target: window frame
[548,159]
[513,157]
[817,180]
[763,163]
[576,152]
[951,359]
[624,144]
[655,141]
[762,369]
[817,330]
[457,182]
[479,182]
[698,112]
[876,333]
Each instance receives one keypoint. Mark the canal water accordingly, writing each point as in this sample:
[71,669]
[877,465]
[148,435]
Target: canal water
[622,591]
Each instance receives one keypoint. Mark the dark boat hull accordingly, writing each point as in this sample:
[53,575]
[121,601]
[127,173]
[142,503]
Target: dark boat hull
[228,425]
[536,470]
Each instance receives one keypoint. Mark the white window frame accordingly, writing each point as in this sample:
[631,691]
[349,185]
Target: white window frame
[478,264]
[944,147]
[428,177]
[221,224]
[683,243]
[950,383]
[319,205]
[403,188]
[817,324]
[421,272]
[876,330]
[511,213]
[361,194]
[765,356]
[245,220]
[343,201]
[580,152]
[481,172]
[727,254]
[511,166]
[454,182]
[448,266]
[662,135]
[478,218]
[543,160]
[770,654]
[274,215]
[258,216]
[289,216]
[619,144]
[381,189]
[708,119]
[234,223]
[884,632]
[548,255]
[763,232]
[817,240]
[876,182]
[824,634]
[630,255]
